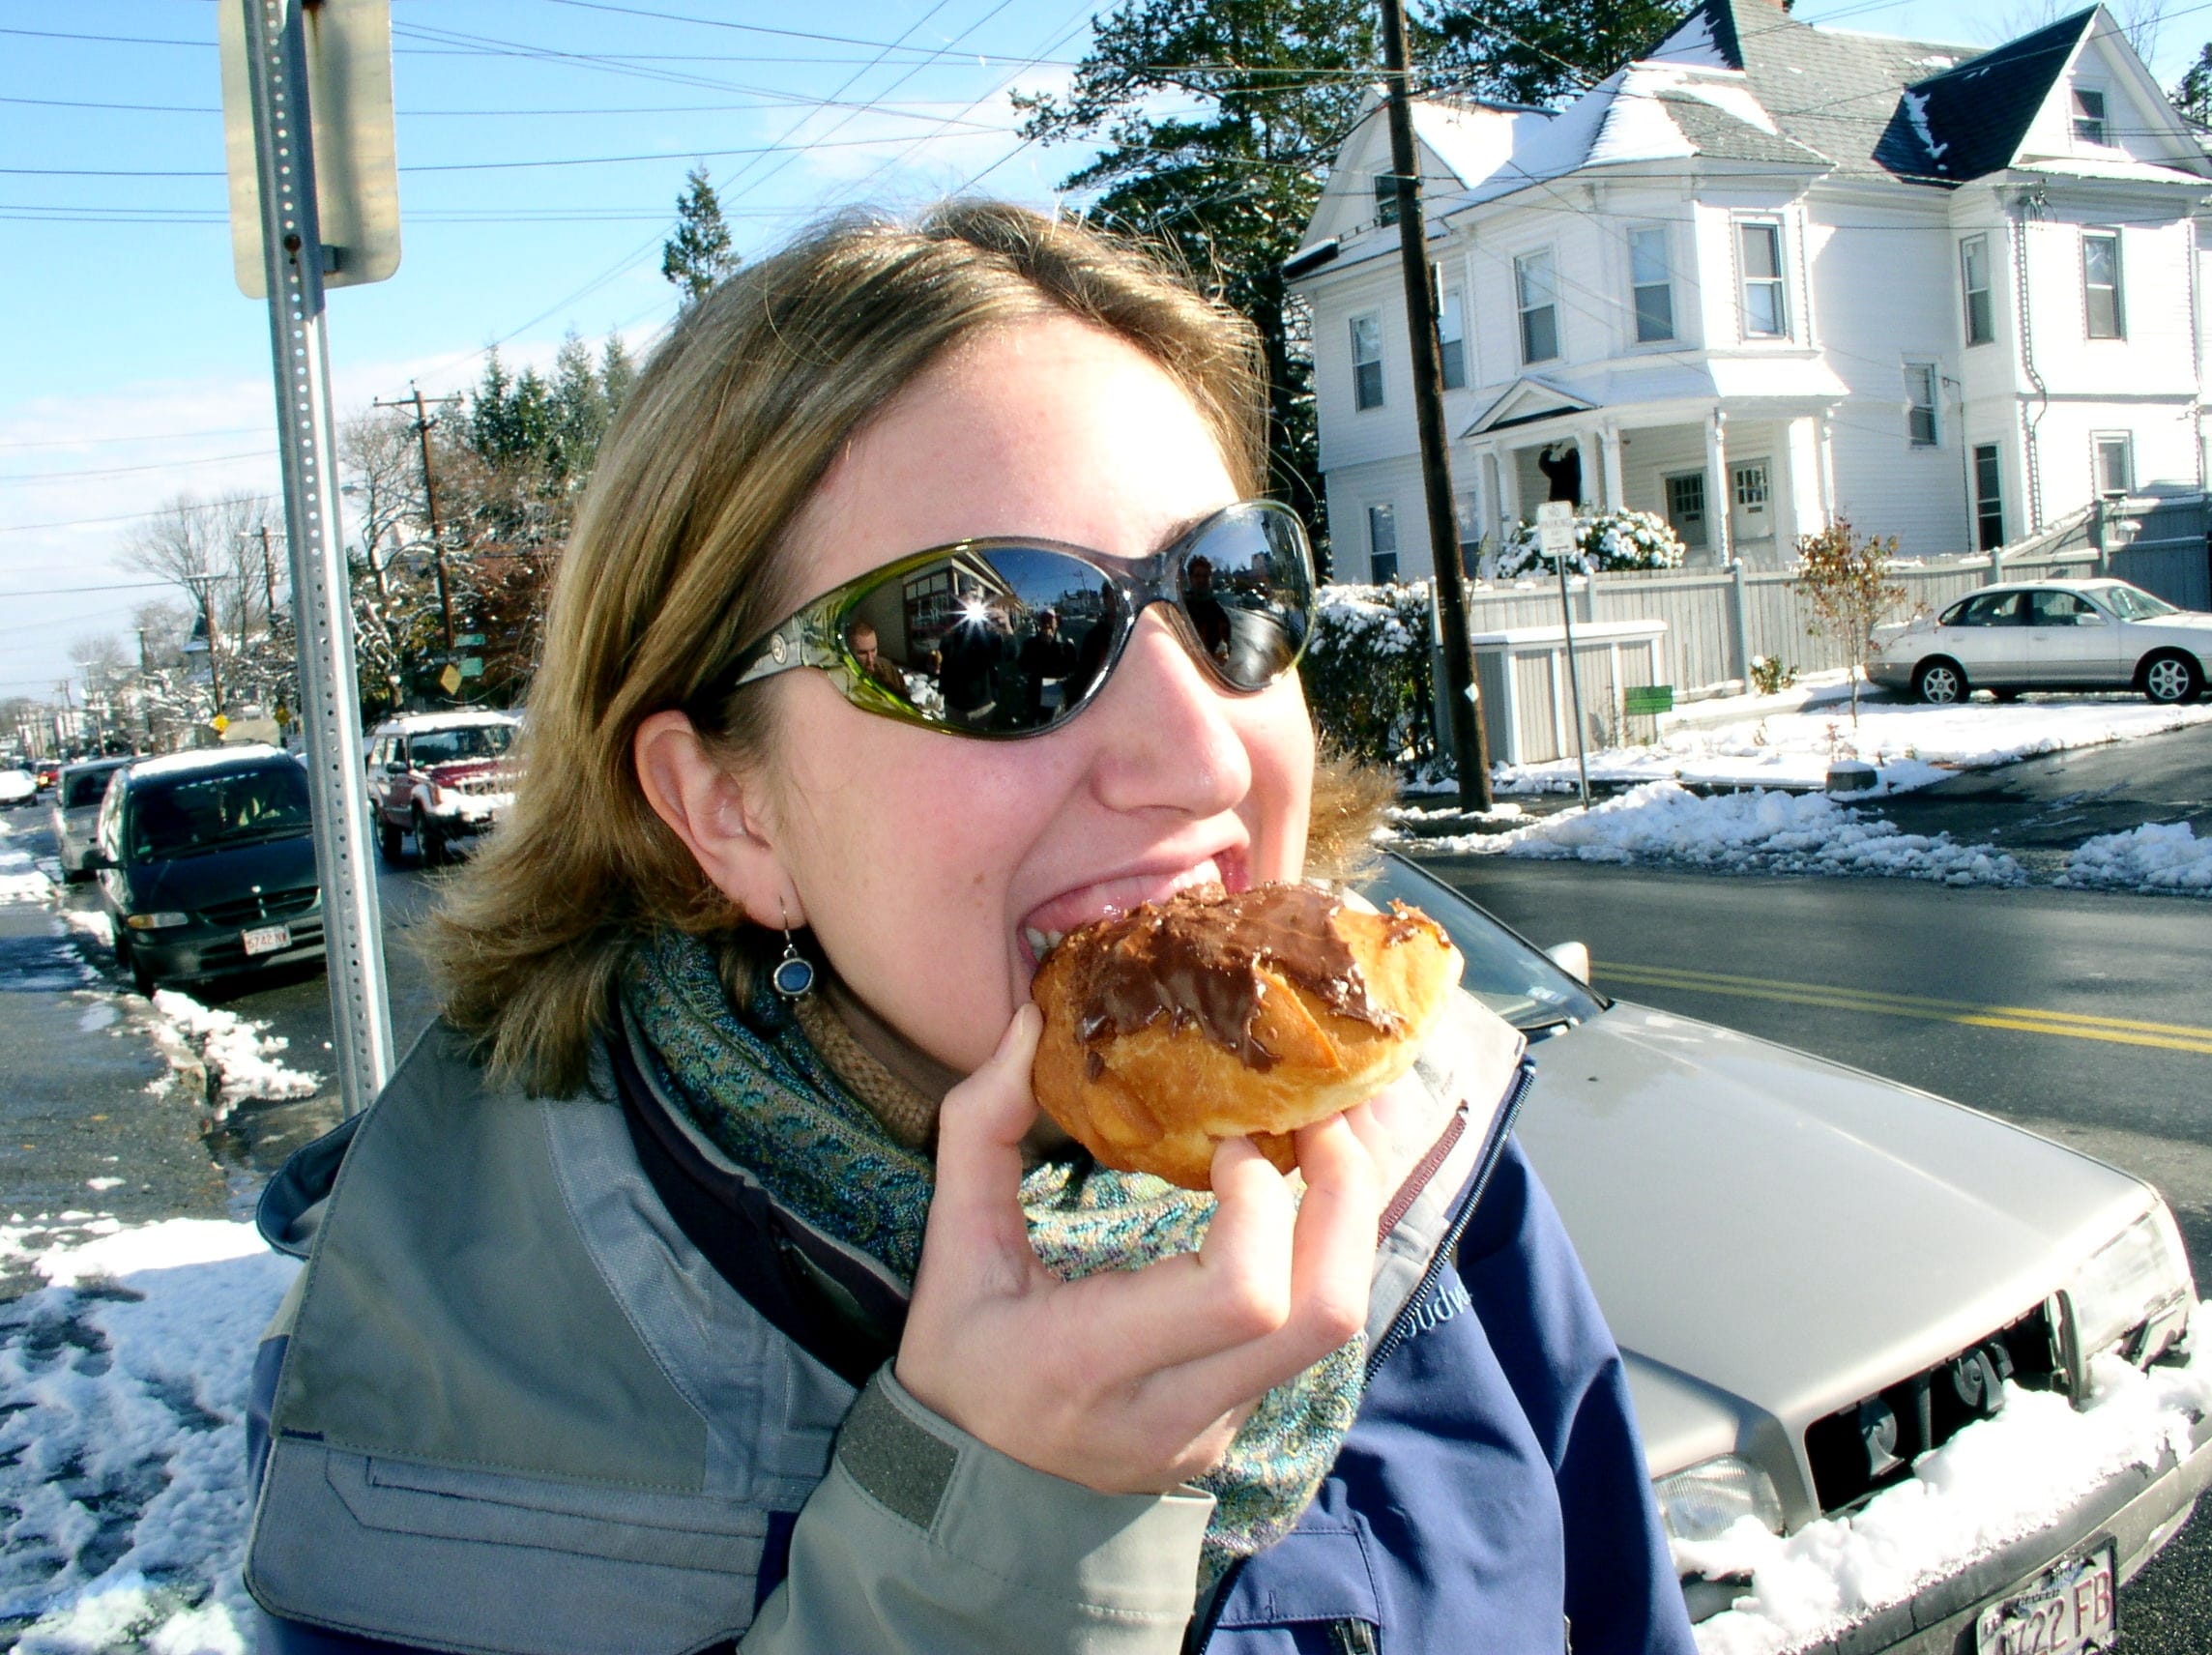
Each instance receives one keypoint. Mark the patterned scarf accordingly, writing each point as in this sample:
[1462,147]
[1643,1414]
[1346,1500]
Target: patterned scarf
[753,1083]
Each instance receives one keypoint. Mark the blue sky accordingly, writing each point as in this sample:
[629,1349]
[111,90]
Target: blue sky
[133,368]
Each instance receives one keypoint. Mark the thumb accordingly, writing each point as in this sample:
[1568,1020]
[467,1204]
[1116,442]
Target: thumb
[979,1132]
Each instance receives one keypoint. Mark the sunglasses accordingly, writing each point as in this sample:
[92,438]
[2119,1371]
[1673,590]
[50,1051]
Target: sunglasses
[1010,636]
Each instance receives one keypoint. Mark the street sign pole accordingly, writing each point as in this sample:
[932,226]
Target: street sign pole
[330,711]
[1555,539]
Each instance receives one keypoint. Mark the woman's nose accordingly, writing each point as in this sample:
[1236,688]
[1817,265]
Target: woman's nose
[1169,736]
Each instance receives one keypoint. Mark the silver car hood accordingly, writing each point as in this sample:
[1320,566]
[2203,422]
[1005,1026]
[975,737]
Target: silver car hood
[1773,1236]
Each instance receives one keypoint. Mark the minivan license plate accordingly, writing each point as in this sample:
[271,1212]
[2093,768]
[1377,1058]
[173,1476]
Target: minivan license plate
[267,938]
[2070,1608]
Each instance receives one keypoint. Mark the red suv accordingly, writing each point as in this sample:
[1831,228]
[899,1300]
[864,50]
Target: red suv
[441,778]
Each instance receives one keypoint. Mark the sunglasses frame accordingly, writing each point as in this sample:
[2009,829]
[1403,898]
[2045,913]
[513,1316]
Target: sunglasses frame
[813,635]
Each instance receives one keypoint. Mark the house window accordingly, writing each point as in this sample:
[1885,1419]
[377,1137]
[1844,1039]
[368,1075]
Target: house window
[1451,340]
[1385,198]
[1920,382]
[2089,116]
[1651,286]
[1686,508]
[1381,545]
[1367,360]
[1974,278]
[1535,284]
[2115,461]
[1765,296]
[1750,486]
[1989,499]
[2101,284]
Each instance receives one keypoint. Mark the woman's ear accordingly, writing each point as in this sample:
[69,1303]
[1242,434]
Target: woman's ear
[717,815]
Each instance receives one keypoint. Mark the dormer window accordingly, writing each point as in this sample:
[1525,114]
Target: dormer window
[2089,116]
[1385,198]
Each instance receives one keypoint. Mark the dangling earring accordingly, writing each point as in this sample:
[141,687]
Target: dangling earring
[794,974]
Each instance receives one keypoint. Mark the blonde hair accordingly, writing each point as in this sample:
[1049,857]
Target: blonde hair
[675,563]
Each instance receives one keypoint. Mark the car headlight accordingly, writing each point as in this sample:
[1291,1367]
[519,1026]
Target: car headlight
[2140,1279]
[1712,1496]
[162,921]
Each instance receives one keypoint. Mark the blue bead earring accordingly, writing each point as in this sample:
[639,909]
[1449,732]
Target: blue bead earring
[794,974]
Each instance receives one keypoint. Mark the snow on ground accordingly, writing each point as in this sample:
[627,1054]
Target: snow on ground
[241,1058]
[1760,831]
[2158,856]
[1994,1482]
[1790,741]
[20,880]
[123,1389]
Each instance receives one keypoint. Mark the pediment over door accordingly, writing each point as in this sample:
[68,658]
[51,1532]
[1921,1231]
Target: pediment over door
[1524,401]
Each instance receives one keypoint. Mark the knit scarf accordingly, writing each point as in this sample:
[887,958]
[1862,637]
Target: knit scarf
[754,1085]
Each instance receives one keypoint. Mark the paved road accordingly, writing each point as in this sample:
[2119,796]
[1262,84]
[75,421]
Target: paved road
[2041,810]
[2087,1017]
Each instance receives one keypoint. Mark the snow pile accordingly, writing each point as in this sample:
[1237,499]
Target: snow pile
[122,1440]
[2158,856]
[1743,832]
[240,1057]
[1994,1482]
[1909,746]
[93,922]
[20,881]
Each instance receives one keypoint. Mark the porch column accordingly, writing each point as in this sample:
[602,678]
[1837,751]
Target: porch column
[1609,445]
[1494,492]
[1509,487]
[1828,507]
[1586,450]
[1717,535]
[1807,513]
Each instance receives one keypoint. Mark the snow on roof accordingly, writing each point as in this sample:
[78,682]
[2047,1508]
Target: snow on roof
[408,723]
[1693,43]
[206,759]
[1727,93]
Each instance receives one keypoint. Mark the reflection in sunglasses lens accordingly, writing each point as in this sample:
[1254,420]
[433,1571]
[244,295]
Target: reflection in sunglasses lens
[1006,640]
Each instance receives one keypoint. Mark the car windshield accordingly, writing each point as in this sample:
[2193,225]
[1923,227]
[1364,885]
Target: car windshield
[2133,603]
[1512,977]
[455,746]
[85,787]
[206,812]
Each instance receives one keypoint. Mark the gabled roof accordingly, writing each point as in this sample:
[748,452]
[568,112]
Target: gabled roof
[1970,120]
[1527,398]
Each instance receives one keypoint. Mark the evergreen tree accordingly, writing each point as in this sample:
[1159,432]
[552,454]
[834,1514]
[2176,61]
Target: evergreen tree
[2193,97]
[616,373]
[579,409]
[699,254]
[1538,51]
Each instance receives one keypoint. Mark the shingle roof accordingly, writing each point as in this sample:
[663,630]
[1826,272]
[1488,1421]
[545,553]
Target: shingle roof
[1970,120]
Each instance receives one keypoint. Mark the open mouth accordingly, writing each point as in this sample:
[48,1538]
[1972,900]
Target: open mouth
[1042,928]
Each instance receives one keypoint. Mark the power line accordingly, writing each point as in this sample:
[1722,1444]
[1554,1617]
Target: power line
[121,471]
[156,437]
[67,590]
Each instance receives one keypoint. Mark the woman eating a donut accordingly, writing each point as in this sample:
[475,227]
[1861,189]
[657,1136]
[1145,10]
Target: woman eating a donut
[708,1278]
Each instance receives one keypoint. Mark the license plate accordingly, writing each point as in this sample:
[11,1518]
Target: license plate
[267,938]
[2071,1607]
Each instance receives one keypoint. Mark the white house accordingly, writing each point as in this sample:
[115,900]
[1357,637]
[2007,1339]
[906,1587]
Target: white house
[1773,274]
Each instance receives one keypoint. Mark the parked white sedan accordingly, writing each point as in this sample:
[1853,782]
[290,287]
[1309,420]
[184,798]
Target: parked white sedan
[2050,634]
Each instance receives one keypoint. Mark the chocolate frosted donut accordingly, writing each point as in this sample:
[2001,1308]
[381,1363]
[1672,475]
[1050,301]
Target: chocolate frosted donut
[1210,1016]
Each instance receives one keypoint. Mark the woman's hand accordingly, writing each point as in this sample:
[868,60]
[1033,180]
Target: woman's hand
[1129,1381]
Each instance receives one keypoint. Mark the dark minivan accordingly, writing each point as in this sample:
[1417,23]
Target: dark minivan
[207,866]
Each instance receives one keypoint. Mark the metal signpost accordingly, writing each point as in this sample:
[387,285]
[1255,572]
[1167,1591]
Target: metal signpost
[336,54]
[1555,539]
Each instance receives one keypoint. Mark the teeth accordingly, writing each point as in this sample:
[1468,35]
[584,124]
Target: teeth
[1042,942]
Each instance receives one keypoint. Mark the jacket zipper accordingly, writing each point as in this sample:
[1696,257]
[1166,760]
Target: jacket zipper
[1516,1092]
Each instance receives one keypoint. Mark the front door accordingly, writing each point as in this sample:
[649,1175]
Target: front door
[1751,506]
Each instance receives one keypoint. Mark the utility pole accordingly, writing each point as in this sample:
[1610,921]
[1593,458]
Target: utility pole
[1471,736]
[203,588]
[415,399]
[268,578]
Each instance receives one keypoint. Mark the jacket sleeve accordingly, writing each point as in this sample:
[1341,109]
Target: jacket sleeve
[924,1538]
[1622,1595]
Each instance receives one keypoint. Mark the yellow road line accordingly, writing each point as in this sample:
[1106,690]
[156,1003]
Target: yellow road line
[2077,1025]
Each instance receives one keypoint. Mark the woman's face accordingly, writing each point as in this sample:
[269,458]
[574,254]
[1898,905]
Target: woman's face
[927,863]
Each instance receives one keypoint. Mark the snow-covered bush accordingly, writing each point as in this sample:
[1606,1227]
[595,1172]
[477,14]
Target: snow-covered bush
[1605,540]
[1366,671]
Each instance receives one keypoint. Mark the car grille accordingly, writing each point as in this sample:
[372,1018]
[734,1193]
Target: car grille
[497,781]
[256,909]
[1873,1444]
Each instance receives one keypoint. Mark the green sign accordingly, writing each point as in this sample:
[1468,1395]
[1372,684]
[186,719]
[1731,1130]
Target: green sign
[473,667]
[1645,699]
[468,640]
